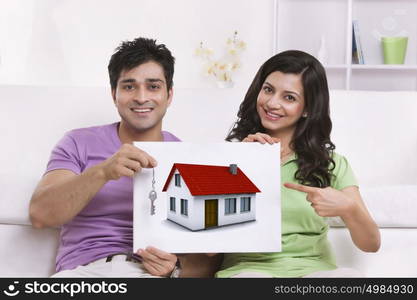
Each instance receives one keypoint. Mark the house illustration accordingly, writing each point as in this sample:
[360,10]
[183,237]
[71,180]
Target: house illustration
[204,196]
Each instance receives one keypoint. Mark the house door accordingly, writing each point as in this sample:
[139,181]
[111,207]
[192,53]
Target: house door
[211,213]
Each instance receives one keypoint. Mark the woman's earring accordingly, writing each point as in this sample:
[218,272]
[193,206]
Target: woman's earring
[305,115]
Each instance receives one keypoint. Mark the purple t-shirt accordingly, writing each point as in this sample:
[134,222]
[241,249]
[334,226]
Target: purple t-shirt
[105,225]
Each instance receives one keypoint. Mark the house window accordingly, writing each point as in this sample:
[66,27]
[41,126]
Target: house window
[172,204]
[184,207]
[229,206]
[177,180]
[244,204]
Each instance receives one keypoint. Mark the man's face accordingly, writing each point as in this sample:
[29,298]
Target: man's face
[141,97]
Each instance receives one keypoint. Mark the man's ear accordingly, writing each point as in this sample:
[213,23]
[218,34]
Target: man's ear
[170,95]
[113,95]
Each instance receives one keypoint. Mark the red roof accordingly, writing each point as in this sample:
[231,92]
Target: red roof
[212,180]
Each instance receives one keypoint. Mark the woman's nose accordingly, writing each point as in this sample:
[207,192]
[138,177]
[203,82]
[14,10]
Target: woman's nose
[274,102]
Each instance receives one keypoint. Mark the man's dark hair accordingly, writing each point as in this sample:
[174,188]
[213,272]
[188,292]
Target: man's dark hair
[130,54]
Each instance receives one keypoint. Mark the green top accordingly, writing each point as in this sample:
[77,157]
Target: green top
[305,248]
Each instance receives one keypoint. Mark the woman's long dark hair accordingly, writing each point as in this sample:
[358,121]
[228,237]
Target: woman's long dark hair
[311,140]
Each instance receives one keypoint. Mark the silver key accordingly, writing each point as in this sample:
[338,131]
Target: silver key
[152,197]
[152,194]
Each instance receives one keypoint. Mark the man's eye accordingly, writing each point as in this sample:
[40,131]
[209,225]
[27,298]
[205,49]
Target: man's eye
[128,87]
[154,86]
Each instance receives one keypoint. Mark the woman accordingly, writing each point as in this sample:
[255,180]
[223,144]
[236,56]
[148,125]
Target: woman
[288,102]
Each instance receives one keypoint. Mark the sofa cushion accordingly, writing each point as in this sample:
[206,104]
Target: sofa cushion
[32,120]
[390,206]
[377,132]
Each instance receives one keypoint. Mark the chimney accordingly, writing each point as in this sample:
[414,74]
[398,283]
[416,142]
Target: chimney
[233,169]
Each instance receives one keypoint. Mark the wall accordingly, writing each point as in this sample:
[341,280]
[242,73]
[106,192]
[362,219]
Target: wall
[193,219]
[238,216]
[69,42]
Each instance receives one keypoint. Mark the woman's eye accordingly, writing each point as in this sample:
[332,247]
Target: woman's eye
[290,98]
[267,89]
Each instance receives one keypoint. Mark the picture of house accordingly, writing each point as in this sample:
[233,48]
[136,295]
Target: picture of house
[205,196]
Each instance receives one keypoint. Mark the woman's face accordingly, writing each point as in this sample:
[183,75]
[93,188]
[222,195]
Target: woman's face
[280,103]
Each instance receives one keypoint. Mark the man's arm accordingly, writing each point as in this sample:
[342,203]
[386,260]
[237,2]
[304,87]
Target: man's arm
[161,263]
[62,194]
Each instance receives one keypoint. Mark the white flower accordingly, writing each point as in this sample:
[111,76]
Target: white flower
[209,69]
[208,51]
[203,51]
[198,51]
[232,51]
[241,45]
[223,68]
[235,66]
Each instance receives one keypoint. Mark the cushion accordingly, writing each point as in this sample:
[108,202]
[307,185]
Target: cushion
[377,132]
[32,120]
[390,206]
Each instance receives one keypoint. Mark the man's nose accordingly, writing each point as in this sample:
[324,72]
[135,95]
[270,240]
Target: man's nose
[141,95]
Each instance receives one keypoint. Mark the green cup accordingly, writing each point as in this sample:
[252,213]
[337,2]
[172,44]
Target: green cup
[394,49]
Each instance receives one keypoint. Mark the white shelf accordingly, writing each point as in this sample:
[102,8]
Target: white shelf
[384,67]
[333,20]
[371,67]
[335,67]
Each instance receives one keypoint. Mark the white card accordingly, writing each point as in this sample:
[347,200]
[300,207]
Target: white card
[211,198]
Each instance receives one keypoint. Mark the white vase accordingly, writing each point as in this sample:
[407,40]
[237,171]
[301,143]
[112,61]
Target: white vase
[224,84]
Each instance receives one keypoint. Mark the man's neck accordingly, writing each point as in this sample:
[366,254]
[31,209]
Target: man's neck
[128,135]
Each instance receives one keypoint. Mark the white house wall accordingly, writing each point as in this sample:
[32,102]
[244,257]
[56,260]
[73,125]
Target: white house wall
[237,217]
[195,218]
[196,207]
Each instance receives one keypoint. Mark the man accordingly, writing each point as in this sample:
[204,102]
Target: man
[88,188]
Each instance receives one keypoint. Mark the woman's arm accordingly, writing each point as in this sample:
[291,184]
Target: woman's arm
[363,229]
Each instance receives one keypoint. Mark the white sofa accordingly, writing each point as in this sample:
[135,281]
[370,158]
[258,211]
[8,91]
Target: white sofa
[377,131]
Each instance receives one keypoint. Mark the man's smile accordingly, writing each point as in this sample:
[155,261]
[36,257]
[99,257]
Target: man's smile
[143,110]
